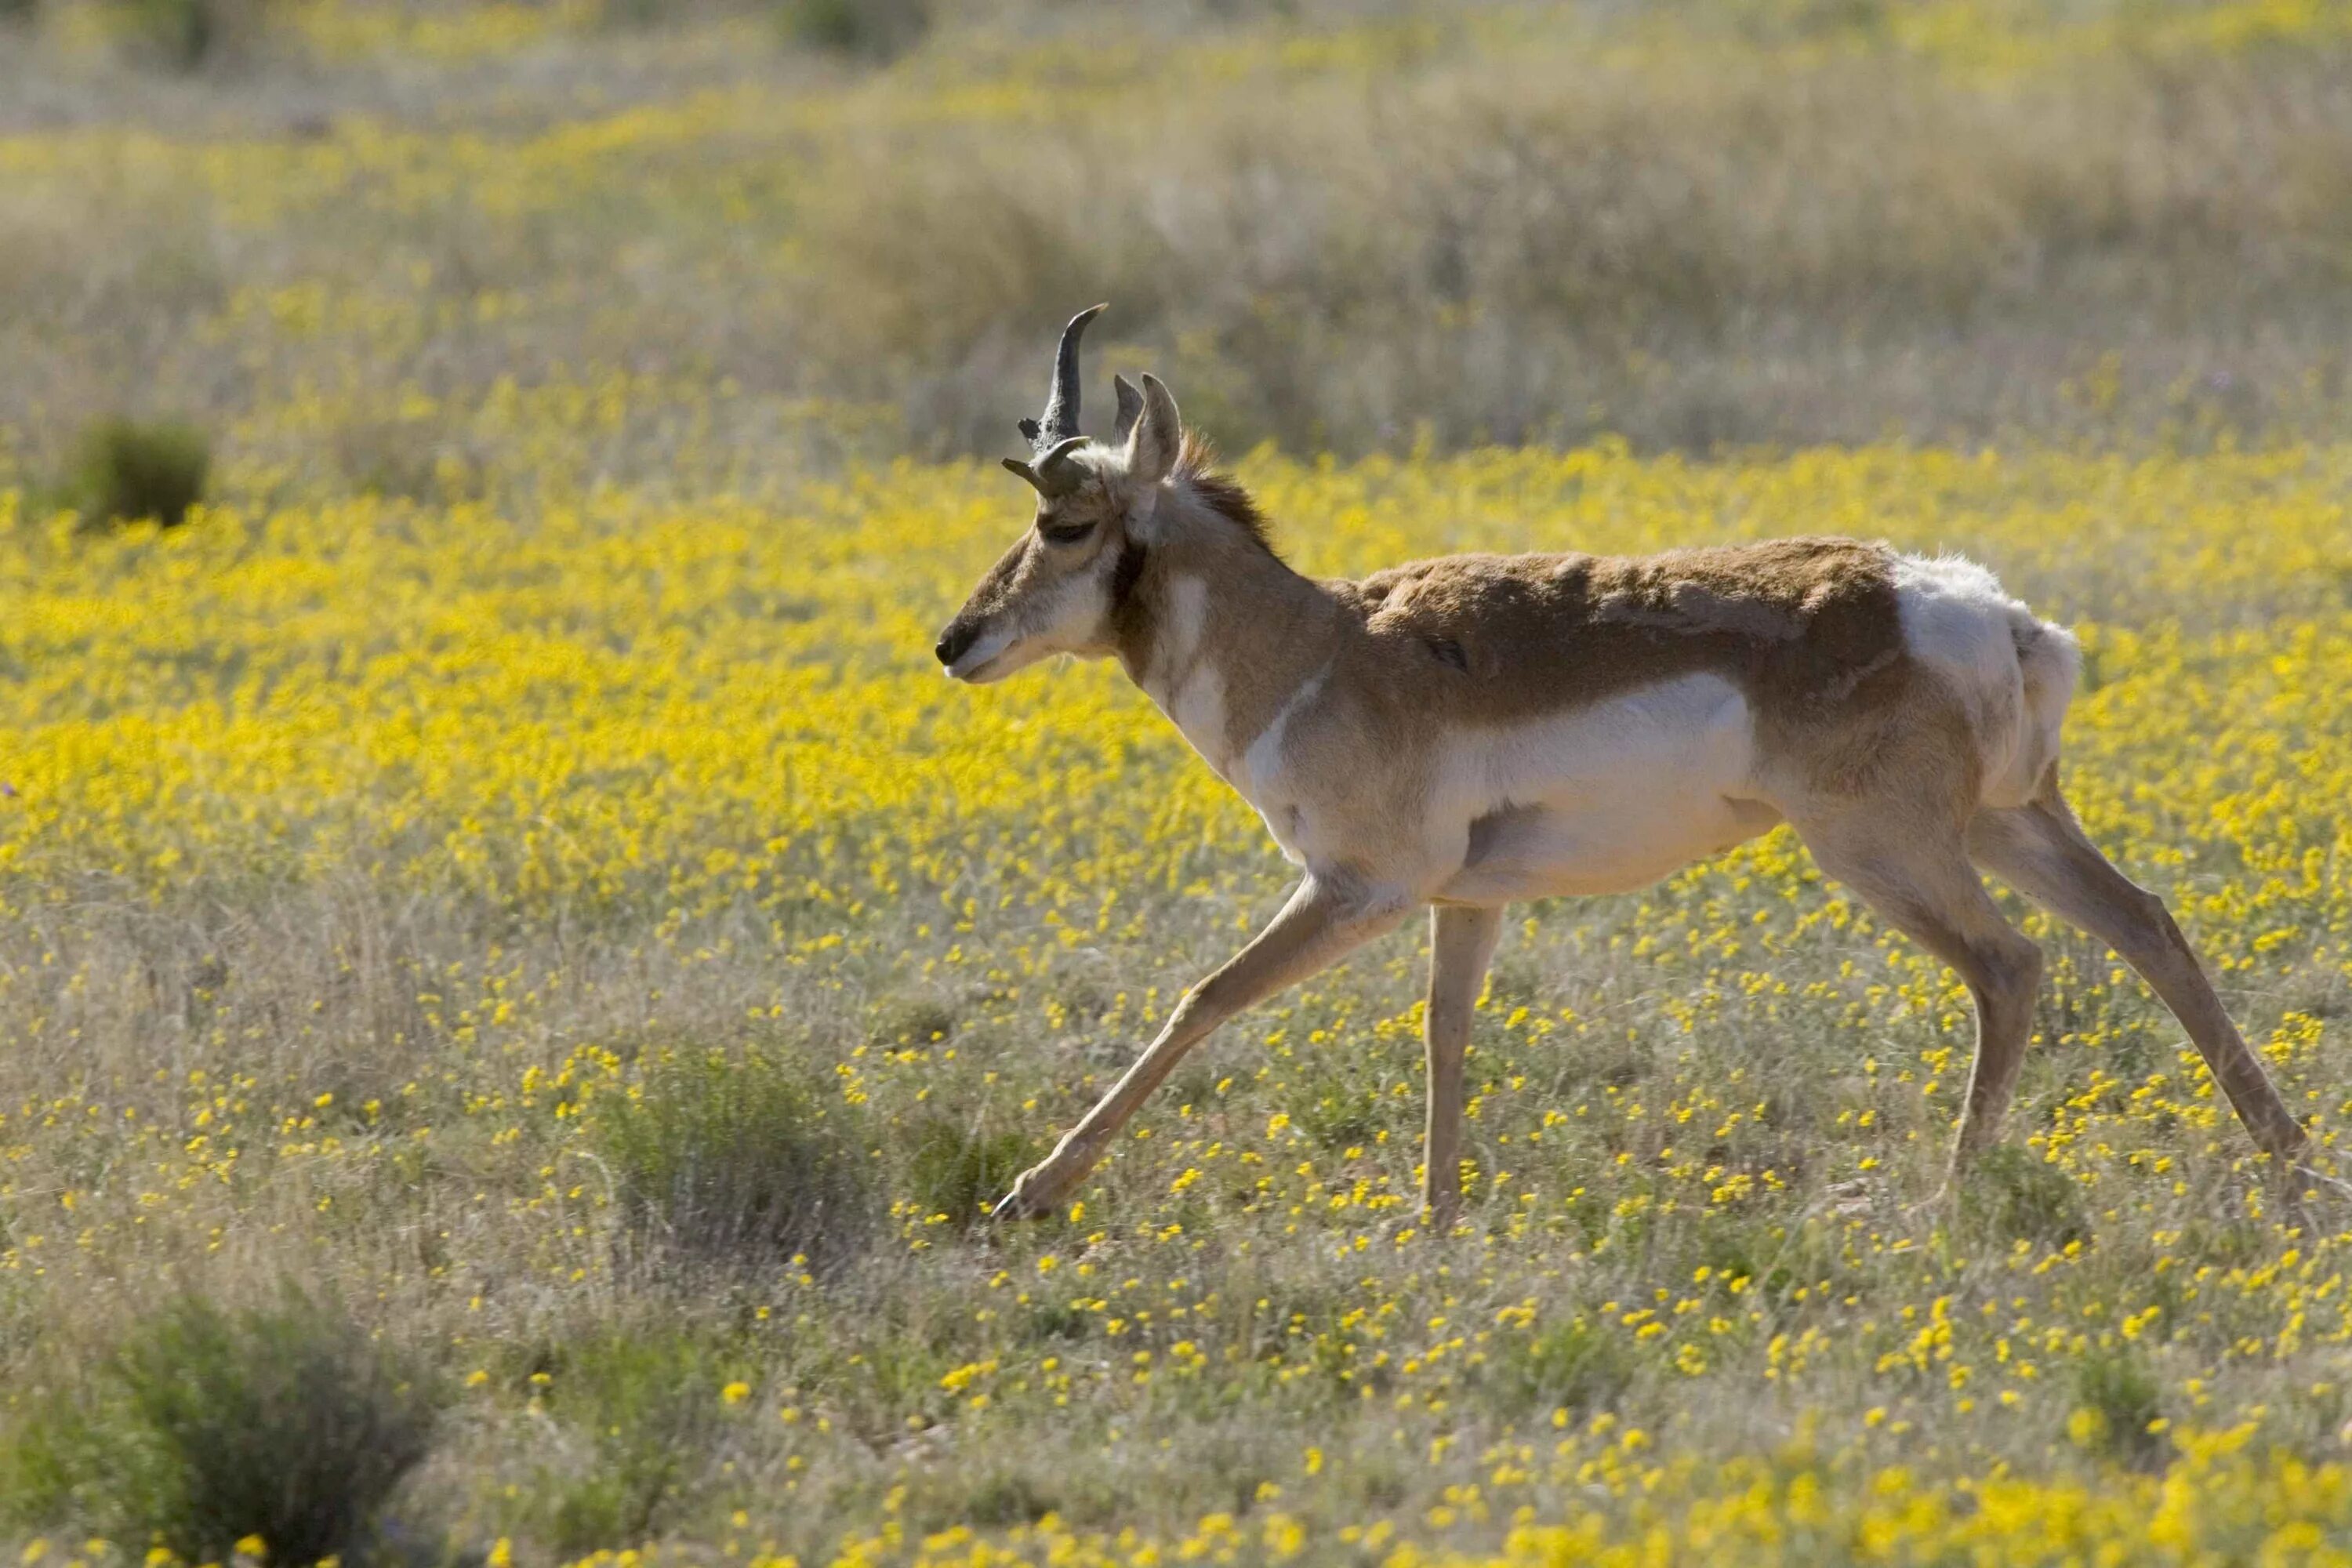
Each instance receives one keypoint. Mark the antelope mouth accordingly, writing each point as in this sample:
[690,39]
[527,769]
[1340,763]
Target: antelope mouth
[979,664]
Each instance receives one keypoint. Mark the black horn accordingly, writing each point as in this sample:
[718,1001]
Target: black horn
[1061,421]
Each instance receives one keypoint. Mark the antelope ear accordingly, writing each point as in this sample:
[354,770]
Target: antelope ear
[1158,435]
[1130,403]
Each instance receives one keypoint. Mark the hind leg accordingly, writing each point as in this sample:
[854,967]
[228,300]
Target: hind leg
[1914,870]
[2040,849]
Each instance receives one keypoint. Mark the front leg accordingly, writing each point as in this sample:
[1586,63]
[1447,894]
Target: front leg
[1461,945]
[1330,913]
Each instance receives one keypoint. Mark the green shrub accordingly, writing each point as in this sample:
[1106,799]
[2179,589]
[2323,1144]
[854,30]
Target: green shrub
[181,35]
[650,1409]
[2020,1196]
[1573,1365]
[2116,1390]
[630,13]
[867,29]
[1341,1115]
[913,1023]
[208,1426]
[959,1170]
[734,1158]
[49,1451]
[126,470]
[1000,1494]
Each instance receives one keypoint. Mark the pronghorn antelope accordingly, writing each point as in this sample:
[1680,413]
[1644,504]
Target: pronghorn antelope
[1466,732]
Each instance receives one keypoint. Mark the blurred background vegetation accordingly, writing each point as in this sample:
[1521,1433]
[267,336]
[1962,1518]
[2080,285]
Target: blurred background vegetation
[463,862]
[1345,225]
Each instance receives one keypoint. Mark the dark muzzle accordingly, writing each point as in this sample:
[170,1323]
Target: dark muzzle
[955,640]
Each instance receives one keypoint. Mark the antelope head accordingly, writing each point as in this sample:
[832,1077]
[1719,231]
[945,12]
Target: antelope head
[1061,587]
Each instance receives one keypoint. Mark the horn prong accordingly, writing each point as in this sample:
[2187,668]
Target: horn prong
[1053,475]
[1061,452]
[1056,475]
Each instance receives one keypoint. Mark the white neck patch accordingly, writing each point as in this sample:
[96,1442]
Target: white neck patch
[1181,679]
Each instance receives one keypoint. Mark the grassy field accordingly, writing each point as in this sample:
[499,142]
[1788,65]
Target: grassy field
[517,978]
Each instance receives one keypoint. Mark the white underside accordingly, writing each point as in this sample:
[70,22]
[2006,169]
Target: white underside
[1605,799]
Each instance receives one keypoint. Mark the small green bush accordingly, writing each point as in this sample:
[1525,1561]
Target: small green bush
[179,34]
[913,1023]
[47,1452]
[649,1408]
[733,1157]
[2020,1196]
[1575,1365]
[959,1170]
[2123,1397]
[866,29]
[126,470]
[999,1495]
[1341,1115]
[208,1426]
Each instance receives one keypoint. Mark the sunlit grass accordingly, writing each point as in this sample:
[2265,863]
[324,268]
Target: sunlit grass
[508,861]
[370,861]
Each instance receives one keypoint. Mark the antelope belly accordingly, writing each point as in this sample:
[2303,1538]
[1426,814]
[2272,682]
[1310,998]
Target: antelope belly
[1603,799]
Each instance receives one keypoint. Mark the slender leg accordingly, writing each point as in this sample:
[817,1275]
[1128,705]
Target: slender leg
[2040,849]
[1461,945]
[1325,918]
[1919,879]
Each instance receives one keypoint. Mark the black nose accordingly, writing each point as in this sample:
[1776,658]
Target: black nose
[953,641]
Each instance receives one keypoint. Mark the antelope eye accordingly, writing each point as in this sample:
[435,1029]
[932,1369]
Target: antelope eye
[1065,532]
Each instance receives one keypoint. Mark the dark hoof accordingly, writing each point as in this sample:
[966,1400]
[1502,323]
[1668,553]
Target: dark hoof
[1013,1206]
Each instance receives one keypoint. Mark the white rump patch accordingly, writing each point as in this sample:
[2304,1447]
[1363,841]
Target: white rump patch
[2012,671]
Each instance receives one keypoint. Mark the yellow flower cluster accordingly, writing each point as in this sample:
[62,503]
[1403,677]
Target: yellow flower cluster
[732,703]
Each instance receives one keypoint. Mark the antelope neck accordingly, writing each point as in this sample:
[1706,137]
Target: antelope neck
[1218,633]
